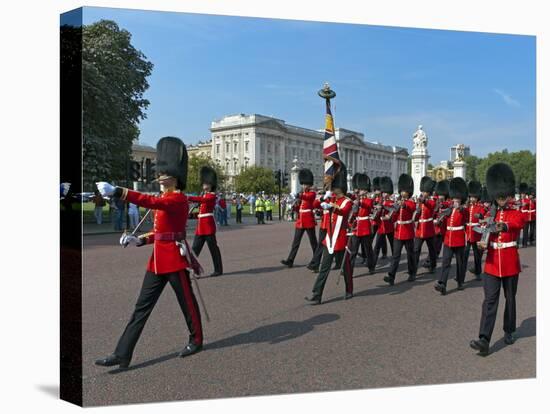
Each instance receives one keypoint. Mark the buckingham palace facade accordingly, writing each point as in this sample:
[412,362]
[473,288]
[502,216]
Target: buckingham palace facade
[240,141]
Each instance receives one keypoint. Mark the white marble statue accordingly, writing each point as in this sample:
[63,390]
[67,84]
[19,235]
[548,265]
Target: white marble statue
[420,140]
[460,152]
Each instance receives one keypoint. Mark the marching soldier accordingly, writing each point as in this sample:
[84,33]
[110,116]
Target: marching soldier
[206,226]
[440,221]
[502,265]
[306,218]
[336,239]
[361,232]
[377,194]
[529,212]
[385,219]
[404,230]
[171,258]
[323,227]
[455,236]
[425,230]
[475,211]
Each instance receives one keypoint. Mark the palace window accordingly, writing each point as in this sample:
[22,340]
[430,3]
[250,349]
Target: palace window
[246,145]
[227,147]
[217,148]
[235,146]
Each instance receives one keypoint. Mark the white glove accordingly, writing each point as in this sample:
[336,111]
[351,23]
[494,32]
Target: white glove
[65,189]
[126,239]
[326,206]
[105,188]
[327,195]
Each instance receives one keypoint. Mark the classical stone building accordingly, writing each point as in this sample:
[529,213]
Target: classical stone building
[201,148]
[240,141]
[142,152]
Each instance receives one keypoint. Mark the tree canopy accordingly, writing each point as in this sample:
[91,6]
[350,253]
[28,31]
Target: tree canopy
[255,179]
[114,80]
[523,163]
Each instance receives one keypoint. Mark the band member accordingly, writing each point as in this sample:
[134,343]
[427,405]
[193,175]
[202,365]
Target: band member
[377,194]
[502,265]
[336,239]
[306,218]
[171,258]
[425,230]
[455,236]
[440,221]
[385,218]
[325,217]
[206,227]
[528,208]
[361,231]
[475,211]
[404,230]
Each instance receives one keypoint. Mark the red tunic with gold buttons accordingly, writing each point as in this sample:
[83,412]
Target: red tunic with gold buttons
[171,210]
[473,210]
[386,225]
[363,227]
[206,225]
[529,209]
[455,234]
[441,227]
[425,228]
[502,253]
[337,236]
[306,219]
[404,225]
[324,213]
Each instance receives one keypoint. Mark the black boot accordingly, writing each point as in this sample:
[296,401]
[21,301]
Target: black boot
[389,279]
[348,296]
[411,278]
[509,338]
[113,360]
[214,274]
[481,345]
[287,263]
[313,300]
[190,349]
[441,288]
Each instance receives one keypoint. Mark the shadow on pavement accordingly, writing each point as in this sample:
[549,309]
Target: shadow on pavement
[257,270]
[274,333]
[146,363]
[527,329]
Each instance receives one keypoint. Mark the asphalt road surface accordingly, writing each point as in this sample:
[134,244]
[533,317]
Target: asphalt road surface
[264,339]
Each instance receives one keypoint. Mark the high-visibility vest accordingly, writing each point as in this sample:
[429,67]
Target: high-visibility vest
[268,205]
[259,205]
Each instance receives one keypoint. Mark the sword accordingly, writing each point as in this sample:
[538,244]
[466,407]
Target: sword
[138,225]
[201,300]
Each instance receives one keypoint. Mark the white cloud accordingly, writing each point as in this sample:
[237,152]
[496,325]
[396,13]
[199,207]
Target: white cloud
[508,100]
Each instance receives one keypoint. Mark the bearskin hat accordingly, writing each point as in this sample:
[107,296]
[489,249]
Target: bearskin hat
[340,179]
[458,189]
[386,185]
[523,188]
[376,184]
[484,195]
[532,191]
[208,176]
[172,160]
[500,181]
[361,182]
[405,183]
[442,188]
[305,177]
[474,189]
[427,185]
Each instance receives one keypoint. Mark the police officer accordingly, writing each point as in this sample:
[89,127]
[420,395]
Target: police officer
[167,264]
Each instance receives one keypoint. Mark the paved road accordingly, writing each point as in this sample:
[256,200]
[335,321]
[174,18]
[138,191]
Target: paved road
[264,339]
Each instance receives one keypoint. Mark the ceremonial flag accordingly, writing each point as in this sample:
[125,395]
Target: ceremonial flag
[330,147]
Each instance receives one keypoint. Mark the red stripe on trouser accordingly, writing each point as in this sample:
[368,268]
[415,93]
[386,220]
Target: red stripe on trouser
[192,306]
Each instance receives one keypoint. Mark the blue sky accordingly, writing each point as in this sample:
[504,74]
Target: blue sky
[471,88]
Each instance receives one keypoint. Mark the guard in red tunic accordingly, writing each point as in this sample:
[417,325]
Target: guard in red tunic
[361,231]
[206,226]
[336,239]
[306,218]
[425,230]
[404,230]
[455,236]
[171,258]
[318,254]
[385,218]
[528,208]
[440,220]
[502,265]
[377,194]
[475,211]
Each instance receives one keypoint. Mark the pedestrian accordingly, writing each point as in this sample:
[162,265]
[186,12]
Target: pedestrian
[336,239]
[476,211]
[252,202]
[133,214]
[502,265]
[306,219]
[425,230]
[223,210]
[99,203]
[205,231]
[404,230]
[455,236]
[119,213]
[167,264]
[268,209]
[239,209]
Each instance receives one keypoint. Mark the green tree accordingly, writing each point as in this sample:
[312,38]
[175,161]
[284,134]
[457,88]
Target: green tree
[471,167]
[255,179]
[409,165]
[523,164]
[196,162]
[114,79]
